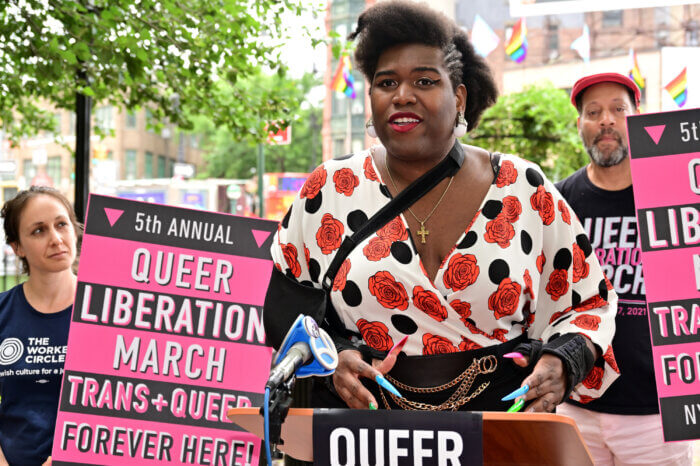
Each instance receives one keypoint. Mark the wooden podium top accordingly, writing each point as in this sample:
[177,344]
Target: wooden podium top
[508,438]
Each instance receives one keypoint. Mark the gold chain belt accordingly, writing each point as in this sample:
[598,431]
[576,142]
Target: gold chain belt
[459,397]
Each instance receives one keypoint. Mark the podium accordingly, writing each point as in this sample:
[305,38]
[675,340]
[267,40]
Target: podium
[508,438]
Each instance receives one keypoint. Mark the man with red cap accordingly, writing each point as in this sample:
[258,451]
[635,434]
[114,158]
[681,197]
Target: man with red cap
[623,426]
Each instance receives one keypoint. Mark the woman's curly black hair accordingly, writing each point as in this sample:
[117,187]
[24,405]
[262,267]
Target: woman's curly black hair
[395,22]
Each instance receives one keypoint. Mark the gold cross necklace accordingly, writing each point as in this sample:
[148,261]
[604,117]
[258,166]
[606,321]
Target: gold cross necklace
[422,232]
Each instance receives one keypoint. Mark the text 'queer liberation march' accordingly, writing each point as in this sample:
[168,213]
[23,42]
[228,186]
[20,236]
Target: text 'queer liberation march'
[665,156]
[166,337]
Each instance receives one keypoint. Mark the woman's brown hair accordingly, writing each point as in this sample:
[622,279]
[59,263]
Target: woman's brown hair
[12,213]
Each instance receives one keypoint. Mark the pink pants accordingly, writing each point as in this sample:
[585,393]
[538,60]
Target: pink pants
[617,439]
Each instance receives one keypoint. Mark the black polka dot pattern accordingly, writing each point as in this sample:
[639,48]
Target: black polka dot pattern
[498,270]
[351,294]
[401,252]
[492,209]
[516,269]
[312,205]
[404,324]
[526,242]
[468,241]
[356,219]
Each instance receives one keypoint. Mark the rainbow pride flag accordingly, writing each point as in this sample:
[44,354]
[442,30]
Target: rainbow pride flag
[635,73]
[516,46]
[343,80]
[678,88]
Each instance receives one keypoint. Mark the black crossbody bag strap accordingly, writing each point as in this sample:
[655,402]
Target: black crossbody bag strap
[447,167]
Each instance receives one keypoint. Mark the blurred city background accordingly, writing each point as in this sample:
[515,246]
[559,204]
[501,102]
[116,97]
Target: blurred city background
[229,106]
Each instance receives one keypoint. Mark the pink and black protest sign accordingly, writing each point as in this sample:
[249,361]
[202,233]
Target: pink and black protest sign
[166,337]
[665,156]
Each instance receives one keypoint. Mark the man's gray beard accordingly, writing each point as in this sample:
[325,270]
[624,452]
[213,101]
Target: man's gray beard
[615,157]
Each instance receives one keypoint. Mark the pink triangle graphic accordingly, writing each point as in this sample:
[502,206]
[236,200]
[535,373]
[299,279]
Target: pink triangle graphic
[655,132]
[260,236]
[113,215]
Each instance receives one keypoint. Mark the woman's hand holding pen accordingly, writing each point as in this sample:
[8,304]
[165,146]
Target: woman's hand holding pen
[351,367]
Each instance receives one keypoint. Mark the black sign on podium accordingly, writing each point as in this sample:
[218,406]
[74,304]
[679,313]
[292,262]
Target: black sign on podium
[349,437]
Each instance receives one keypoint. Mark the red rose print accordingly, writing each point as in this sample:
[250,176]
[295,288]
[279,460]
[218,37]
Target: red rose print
[342,276]
[565,215]
[500,231]
[377,249]
[557,315]
[528,284]
[461,272]
[558,284]
[586,321]
[370,174]
[594,379]
[511,208]
[389,293]
[468,345]
[428,302]
[375,334]
[543,202]
[591,303]
[504,301]
[584,399]
[541,260]
[435,344]
[463,308]
[580,268]
[497,334]
[290,256]
[314,183]
[278,267]
[610,359]
[330,234]
[393,231]
[507,174]
[345,181]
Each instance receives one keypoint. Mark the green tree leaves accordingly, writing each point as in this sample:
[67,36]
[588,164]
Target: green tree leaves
[538,124]
[134,53]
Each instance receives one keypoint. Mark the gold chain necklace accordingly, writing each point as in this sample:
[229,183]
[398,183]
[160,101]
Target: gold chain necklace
[422,232]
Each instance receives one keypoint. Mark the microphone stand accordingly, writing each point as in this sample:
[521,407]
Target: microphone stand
[280,400]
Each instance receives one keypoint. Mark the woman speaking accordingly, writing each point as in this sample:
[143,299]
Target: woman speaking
[488,262]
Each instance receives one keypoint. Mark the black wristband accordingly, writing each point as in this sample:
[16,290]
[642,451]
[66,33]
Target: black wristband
[532,349]
[578,359]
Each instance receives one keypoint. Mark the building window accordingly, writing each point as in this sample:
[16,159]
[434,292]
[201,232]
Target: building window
[612,18]
[28,169]
[161,166]
[339,147]
[691,33]
[71,123]
[130,165]
[553,39]
[131,120]
[339,103]
[53,169]
[148,166]
[104,118]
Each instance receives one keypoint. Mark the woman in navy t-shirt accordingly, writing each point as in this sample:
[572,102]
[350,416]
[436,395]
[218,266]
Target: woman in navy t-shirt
[34,318]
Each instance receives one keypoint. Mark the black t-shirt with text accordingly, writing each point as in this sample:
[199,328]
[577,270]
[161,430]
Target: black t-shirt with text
[32,354]
[609,220]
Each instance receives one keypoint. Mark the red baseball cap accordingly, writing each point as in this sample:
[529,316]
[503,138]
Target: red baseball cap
[588,81]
